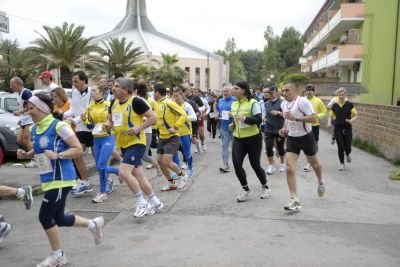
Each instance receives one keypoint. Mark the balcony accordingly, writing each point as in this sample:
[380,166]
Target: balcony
[350,15]
[345,54]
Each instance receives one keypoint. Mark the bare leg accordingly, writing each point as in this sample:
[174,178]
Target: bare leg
[291,161]
[125,171]
[6,191]
[143,182]
[316,166]
[53,235]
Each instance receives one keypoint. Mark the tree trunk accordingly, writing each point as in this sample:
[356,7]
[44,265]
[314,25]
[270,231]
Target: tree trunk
[66,77]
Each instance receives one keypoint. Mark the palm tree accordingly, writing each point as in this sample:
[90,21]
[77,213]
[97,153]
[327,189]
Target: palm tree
[141,72]
[123,57]
[169,74]
[65,49]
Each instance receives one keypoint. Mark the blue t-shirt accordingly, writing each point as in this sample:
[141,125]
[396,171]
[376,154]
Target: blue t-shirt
[225,105]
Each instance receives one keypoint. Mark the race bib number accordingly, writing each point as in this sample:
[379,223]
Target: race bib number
[117,118]
[243,125]
[292,125]
[25,119]
[98,128]
[213,115]
[43,163]
[225,115]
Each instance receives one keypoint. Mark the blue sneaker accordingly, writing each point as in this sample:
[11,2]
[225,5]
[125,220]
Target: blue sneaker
[110,186]
[82,189]
[190,173]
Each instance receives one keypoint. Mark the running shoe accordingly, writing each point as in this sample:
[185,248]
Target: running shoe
[265,193]
[182,181]
[54,261]
[282,167]
[174,176]
[321,190]
[100,197]
[243,195]
[190,173]
[109,186]
[293,205]
[348,158]
[158,207]
[224,169]
[141,210]
[341,167]
[4,232]
[98,230]
[27,197]
[184,165]
[271,169]
[82,189]
[332,141]
[169,187]
[307,167]
[204,147]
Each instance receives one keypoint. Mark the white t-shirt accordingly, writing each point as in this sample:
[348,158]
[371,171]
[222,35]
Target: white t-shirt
[300,107]
[51,86]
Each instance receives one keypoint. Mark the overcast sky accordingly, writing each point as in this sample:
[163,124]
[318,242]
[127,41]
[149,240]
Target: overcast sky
[203,23]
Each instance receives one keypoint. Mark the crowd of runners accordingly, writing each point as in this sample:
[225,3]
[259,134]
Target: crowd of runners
[124,119]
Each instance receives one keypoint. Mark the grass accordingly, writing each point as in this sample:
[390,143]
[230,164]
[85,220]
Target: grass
[370,148]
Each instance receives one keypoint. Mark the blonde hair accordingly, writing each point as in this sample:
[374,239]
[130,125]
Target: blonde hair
[60,93]
[341,90]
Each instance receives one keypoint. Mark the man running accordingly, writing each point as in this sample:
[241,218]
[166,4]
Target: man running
[299,115]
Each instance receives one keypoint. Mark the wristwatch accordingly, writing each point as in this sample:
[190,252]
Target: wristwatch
[60,155]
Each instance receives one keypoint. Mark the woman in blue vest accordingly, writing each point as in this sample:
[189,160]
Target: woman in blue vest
[54,146]
[246,113]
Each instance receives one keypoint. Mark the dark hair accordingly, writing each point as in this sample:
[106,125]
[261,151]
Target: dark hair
[244,86]
[179,90]
[141,88]
[310,87]
[49,102]
[110,80]
[82,75]
[160,88]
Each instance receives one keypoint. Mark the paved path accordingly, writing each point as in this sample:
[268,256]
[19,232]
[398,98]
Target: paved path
[355,224]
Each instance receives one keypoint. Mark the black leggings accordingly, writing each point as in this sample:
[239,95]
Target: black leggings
[269,143]
[343,137]
[52,209]
[252,146]
[212,126]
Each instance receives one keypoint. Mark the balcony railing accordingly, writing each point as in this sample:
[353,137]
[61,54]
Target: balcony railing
[344,53]
[347,12]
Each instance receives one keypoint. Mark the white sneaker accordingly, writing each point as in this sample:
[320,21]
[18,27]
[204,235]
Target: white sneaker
[243,195]
[341,168]
[348,158]
[184,165]
[182,181]
[141,210]
[100,197]
[98,230]
[54,261]
[282,167]
[293,205]
[204,147]
[154,208]
[321,190]
[265,193]
[307,167]
[271,169]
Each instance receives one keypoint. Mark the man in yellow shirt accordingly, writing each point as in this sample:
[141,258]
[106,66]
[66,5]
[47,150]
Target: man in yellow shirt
[320,110]
[170,119]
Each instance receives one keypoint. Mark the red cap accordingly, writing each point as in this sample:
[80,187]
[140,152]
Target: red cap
[46,74]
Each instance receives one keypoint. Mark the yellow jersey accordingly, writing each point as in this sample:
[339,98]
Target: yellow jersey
[169,115]
[319,109]
[96,115]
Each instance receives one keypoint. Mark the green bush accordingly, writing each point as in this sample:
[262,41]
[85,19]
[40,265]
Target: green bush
[300,78]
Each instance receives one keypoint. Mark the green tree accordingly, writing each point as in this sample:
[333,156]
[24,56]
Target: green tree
[64,48]
[290,47]
[236,68]
[252,61]
[141,72]
[122,55]
[168,73]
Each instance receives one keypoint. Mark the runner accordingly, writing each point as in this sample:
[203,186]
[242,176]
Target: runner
[170,119]
[205,110]
[224,109]
[299,115]
[127,119]
[186,130]
[103,142]
[344,113]
[320,110]
[47,81]
[273,123]
[246,113]
[212,117]
[54,144]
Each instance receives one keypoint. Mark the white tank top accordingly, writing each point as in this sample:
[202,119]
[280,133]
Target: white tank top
[300,107]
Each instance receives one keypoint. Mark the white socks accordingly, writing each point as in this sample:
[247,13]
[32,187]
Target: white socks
[91,225]
[140,199]
[153,198]
[20,192]
[58,253]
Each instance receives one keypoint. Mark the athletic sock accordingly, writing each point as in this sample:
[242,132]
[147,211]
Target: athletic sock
[139,198]
[20,192]
[153,198]
[58,253]
[91,225]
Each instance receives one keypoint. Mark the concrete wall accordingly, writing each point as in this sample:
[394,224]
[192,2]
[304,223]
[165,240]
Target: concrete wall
[379,39]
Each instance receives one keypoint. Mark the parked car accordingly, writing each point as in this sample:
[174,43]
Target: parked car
[8,133]
[9,102]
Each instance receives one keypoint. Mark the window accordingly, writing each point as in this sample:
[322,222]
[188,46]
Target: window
[11,104]
[207,78]
[197,78]
[187,77]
